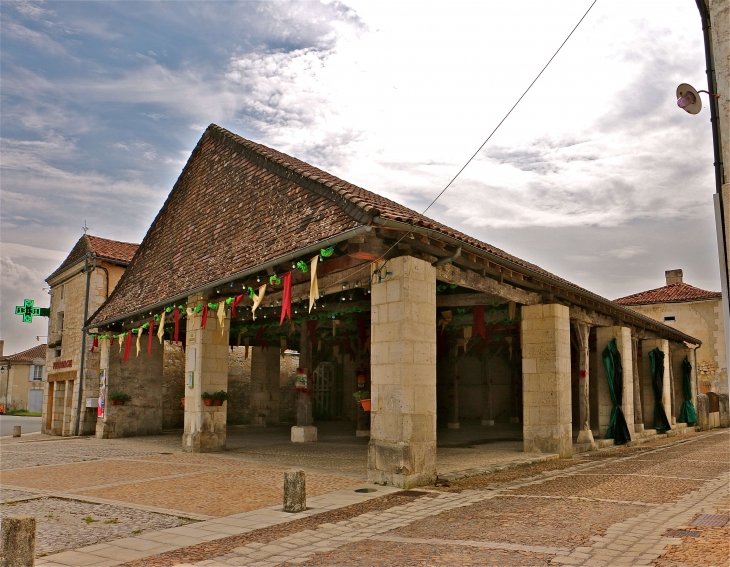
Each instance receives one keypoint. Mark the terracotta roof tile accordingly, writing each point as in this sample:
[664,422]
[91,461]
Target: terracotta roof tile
[669,294]
[27,355]
[112,250]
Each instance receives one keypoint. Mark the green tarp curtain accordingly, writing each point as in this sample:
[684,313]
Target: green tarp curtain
[688,414]
[618,430]
[656,363]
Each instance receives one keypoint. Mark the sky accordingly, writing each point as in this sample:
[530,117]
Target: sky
[597,176]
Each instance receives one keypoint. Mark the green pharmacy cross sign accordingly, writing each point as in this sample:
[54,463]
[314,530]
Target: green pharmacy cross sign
[28,311]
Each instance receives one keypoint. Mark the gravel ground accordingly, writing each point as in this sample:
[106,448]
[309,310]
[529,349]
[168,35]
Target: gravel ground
[7,495]
[524,521]
[68,524]
[386,554]
[221,547]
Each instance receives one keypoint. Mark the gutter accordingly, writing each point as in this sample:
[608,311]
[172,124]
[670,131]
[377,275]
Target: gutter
[242,274]
[436,235]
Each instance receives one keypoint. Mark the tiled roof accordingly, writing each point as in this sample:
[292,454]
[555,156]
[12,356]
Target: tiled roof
[27,355]
[669,294]
[105,249]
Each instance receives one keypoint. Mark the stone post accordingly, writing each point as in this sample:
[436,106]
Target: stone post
[304,431]
[647,345]
[402,448]
[547,409]
[638,413]
[604,335]
[295,491]
[206,358]
[703,412]
[585,435]
[18,541]
[16,430]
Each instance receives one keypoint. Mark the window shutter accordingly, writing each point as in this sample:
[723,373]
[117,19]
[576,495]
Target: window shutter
[31,373]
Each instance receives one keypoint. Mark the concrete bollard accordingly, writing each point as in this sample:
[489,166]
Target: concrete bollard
[703,416]
[295,491]
[18,541]
[16,430]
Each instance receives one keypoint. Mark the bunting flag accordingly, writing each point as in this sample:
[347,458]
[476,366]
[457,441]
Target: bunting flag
[313,287]
[139,338]
[121,341]
[509,342]
[512,307]
[161,330]
[95,343]
[176,311]
[127,346]
[478,323]
[257,299]
[190,312]
[111,340]
[235,303]
[221,315]
[446,317]
[149,337]
[204,316]
[286,298]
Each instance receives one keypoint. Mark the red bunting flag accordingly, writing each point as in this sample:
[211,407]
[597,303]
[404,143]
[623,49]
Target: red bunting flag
[111,340]
[127,346]
[235,303]
[95,344]
[286,298]
[204,317]
[478,323]
[149,337]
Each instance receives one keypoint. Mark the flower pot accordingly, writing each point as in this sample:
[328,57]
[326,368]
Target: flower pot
[182,401]
[365,404]
[112,402]
[208,401]
[217,402]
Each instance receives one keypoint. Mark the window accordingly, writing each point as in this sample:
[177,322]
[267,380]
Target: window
[59,322]
[62,291]
[37,373]
[670,318]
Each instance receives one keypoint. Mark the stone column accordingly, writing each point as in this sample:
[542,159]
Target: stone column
[547,409]
[604,335]
[207,359]
[638,413]
[265,378]
[304,431]
[585,435]
[647,346]
[402,448]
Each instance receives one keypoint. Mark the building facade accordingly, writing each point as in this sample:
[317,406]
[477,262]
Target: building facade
[696,312]
[22,379]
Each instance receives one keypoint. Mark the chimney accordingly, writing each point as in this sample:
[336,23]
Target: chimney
[2,348]
[673,276]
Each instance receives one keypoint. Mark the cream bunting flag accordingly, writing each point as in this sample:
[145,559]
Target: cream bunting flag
[257,299]
[121,341]
[313,287]
[161,328]
[190,312]
[139,338]
[221,315]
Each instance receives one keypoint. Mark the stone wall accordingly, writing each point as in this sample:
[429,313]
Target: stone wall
[173,386]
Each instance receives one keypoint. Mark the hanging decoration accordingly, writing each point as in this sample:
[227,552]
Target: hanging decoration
[204,316]
[236,301]
[149,336]
[313,287]
[302,266]
[257,299]
[121,341]
[139,338]
[326,252]
[478,322]
[221,315]
[273,280]
[95,343]
[161,329]
[446,317]
[286,299]
[127,346]
[512,309]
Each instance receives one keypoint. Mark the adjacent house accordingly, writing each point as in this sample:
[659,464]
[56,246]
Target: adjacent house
[694,311]
[21,379]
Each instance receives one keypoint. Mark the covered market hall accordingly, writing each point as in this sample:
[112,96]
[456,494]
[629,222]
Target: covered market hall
[257,251]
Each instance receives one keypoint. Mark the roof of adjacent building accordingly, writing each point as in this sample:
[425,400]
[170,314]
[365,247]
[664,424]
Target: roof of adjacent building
[104,249]
[27,355]
[673,293]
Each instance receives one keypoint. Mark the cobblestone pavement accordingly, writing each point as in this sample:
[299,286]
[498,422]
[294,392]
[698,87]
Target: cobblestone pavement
[597,512]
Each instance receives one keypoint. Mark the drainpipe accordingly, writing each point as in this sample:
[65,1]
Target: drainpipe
[719,169]
[448,259]
[88,269]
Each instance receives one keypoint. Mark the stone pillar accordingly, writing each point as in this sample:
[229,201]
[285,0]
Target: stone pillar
[141,379]
[604,335]
[265,379]
[402,448]
[585,435]
[59,391]
[647,346]
[207,358]
[304,431]
[68,405]
[547,409]
[638,413]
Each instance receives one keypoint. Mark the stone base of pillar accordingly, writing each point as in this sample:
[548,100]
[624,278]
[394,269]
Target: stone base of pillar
[638,428]
[201,442]
[362,433]
[306,434]
[393,464]
[453,425]
[487,422]
[585,436]
[514,419]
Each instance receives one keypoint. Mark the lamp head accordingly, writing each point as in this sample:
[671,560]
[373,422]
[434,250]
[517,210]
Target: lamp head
[688,99]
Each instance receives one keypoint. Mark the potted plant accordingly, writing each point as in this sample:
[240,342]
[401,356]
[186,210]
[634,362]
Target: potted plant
[219,397]
[363,397]
[207,399]
[119,399]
